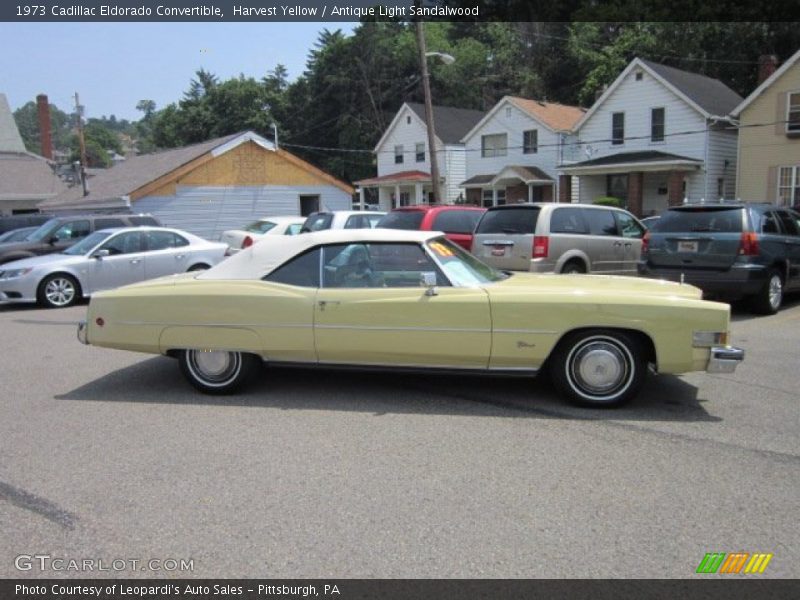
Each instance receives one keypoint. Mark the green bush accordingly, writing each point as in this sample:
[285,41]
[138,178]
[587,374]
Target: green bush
[608,201]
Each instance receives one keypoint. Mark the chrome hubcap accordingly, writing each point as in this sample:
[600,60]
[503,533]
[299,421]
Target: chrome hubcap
[775,291]
[599,368]
[59,291]
[214,367]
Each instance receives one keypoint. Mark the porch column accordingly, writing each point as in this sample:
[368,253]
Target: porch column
[494,196]
[675,188]
[635,193]
[418,197]
[361,198]
[565,188]
[396,202]
[530,192]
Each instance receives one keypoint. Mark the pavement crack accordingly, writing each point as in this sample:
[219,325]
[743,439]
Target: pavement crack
[38,505]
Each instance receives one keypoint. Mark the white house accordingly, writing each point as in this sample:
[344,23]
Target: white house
[404,160]
[514,151]
[658,135]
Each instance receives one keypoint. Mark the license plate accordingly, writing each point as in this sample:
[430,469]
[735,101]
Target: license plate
[687,246]
[498,250]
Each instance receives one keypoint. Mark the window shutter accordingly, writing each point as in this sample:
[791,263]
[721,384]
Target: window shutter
[781,116]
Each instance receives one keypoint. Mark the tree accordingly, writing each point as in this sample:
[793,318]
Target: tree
[27,120]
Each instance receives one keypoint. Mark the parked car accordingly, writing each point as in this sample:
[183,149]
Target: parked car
[650,222]
[59,233]
[106,259]
[16,235]
[243,238]
[729,251]
[341,219]
[27,220]
[412,300]
[546,237]
[457,222]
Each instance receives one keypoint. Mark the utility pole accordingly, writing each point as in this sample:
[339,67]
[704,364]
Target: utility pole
[82,142]
[426,87]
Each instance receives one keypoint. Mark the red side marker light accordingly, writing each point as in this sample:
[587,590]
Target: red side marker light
[100,322]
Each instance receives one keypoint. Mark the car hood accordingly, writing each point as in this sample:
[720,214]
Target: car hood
[598,284]
[40,261]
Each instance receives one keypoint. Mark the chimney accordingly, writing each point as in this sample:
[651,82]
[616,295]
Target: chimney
[44,126]
[767,64]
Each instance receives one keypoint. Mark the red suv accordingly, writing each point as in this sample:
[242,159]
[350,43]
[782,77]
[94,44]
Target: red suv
[457,222]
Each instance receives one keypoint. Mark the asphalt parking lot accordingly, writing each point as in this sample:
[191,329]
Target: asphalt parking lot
[109,455]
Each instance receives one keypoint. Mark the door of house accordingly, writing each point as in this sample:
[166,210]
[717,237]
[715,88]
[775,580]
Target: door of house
[308,205]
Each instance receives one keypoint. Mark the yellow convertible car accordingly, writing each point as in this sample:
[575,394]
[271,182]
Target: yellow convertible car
[412,300]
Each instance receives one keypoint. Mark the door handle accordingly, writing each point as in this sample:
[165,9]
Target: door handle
[324,303]
[617,244]
[135,261]
[179,256]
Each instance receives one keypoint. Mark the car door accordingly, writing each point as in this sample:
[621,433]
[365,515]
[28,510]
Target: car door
[606,247]
[631,233]
[790,223]
[65,235]
[372,309]
[167,253]
[123,264]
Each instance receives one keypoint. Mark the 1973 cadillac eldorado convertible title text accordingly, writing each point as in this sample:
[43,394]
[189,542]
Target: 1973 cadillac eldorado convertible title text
[406,299]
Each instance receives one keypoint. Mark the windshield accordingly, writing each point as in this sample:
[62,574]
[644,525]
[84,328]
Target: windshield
[402,219]
[87,243]
[461,268]
[696,220]
[43,232]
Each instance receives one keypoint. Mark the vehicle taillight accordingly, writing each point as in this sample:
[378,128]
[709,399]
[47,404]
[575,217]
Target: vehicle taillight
[645,242]
[247,242]
[541,246]
[748,246]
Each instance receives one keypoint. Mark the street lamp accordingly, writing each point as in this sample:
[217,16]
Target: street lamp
[426,87]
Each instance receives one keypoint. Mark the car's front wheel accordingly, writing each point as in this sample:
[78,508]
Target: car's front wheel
[598,368]
[58,291]
[217,371]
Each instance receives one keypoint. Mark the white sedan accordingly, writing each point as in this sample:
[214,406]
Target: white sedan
[104,260]
[237,239]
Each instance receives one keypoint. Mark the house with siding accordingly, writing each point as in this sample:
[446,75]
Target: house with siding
[209,187]
[26,179]
[514,151]
[403,156]
[769,136]
[656,137]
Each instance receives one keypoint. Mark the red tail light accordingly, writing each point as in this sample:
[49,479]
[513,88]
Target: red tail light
[748,246]
[541,246]
[645,242]
[247,242]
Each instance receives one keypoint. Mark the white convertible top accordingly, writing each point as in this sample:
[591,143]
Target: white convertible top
[272,251]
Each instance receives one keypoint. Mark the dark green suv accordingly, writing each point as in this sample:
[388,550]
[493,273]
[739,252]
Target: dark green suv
[729,251]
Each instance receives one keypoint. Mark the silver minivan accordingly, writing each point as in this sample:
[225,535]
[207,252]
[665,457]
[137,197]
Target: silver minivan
[546,237]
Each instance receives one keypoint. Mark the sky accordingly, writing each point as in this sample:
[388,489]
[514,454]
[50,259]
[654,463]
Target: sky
[114,65]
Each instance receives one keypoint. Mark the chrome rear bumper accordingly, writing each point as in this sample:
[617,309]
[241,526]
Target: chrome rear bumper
[724,359]
[83,331]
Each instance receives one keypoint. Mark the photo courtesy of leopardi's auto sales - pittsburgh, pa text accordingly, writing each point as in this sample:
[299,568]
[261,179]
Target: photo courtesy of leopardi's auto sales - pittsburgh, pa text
[184,589]
[334,11]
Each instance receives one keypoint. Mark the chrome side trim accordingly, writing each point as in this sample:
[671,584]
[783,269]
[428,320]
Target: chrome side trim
[382,328]
[413,367]
[531,331]
[234,325]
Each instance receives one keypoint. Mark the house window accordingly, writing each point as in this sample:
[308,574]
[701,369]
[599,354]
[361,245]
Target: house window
[494,145]
[617,187]
[530,141]
[508,112]
[657,125]
[408,120]
[789,185]
[488,198]
[639,75]
[420,152]
[793,113]
[618,128]
[398,154]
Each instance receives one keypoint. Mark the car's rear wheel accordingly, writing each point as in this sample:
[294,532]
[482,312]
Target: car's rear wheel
[573,266]
[198,267]
[58,291]
[598,368]
[217,371]
[769,299]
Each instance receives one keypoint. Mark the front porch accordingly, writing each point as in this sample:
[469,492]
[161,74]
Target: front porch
[406,188]
[514,184]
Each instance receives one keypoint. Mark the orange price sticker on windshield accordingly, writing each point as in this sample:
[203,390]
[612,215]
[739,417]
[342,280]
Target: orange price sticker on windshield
[441,249]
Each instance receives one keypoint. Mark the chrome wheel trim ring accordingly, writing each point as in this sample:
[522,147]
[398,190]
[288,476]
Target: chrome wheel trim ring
[775,291]
[214,368]
[59,291]
[600,368]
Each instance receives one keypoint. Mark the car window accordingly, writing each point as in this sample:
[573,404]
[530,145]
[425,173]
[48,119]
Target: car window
[710,219]
[318,222]
[456,221]
[769,223]
[124,243]
[567,220]
[790,224]
[302,270]
[601,222]
[293,229]
[377,265]
[260,227]
[461,267]
[72,230]
[373,220]
[402,219]
[143,220]
[161,240]
[357,222]
[108,223]
[628,226]
[87,243]
[509,220]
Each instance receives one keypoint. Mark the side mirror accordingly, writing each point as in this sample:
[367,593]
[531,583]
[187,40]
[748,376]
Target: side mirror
[100,254]
[428,280]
